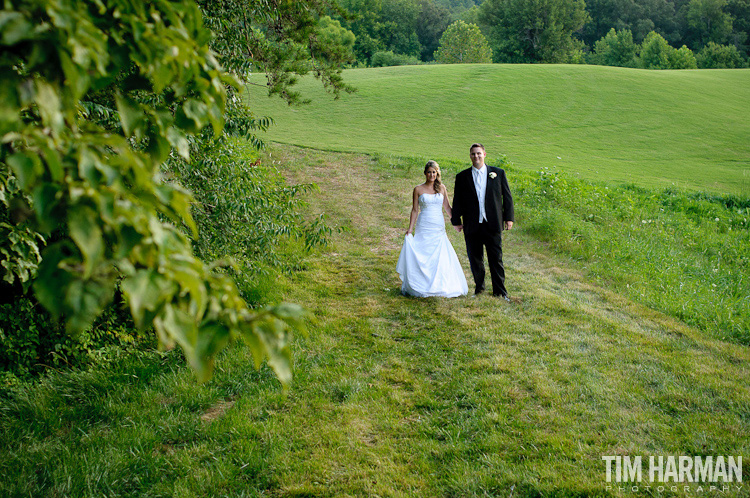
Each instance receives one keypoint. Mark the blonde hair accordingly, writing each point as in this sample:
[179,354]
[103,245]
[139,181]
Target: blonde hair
[438,183]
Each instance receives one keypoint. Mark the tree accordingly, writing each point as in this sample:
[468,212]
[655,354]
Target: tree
[82,198]
[463,43]
[382,25]
[432,22]
[682,58]
[363,19]
[740,12]
[657,15]
[399,26]
[534,30]
[655,52]
[715,56]
[282,39]
[708,21]
[616,49]
[331,34]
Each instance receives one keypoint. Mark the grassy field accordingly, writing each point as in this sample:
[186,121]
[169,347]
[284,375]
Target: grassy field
[629,335]
[653,128]
[395,397]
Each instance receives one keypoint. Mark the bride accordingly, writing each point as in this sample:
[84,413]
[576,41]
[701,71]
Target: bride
[428,265]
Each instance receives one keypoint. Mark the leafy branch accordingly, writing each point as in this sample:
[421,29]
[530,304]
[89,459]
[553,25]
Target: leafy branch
[86,205]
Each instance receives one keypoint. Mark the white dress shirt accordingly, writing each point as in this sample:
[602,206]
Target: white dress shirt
[480,183]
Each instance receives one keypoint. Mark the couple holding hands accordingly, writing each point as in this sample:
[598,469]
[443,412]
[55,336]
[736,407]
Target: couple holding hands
[482,209]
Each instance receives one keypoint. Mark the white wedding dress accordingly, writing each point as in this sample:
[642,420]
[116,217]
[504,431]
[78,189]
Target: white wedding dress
[428,265]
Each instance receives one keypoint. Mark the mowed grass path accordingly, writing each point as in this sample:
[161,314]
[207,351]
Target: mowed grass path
[652,128]
[395,396]
[409,397]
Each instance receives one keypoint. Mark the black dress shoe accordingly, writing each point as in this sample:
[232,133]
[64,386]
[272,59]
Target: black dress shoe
[503,297]
[478,291]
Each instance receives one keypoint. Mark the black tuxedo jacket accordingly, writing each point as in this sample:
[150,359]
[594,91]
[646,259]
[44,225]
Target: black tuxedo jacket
[498,203]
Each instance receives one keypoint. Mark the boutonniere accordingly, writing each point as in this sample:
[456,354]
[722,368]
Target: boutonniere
[493,175]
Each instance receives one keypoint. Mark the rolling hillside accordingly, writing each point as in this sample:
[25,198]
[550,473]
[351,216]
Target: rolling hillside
[653,128]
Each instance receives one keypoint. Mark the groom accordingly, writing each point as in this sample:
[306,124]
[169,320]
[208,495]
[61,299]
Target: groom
[482,198]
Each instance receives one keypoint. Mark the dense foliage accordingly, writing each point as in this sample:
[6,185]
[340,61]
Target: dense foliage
[617,48]
[282,39]
[463,43]
[96,98]
[551,30]
[534,30]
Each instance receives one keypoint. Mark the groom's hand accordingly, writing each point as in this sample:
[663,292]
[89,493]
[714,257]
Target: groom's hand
[458,227]
[508,225]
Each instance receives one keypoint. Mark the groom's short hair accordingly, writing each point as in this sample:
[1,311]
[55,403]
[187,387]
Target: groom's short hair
[476,145]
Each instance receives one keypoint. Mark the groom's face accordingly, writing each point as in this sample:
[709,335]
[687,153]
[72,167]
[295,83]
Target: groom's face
[477,156]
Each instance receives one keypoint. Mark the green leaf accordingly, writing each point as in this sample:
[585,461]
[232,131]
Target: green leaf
[194,114]
[76,78]
[179,142]
[158,148]
[146,292]
[54,164]
[83,225]
[212,338]
[87,165]
[132,117]
[85,300]
[26,169]
[50,106]
[47,205]
[14,28]
[178,326]
[188,278]
[53,278]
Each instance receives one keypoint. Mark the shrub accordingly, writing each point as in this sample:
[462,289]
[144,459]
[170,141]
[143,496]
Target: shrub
[389,58]
[616,49]
[247,213]
[682,58]
[32,340]
[715,56]
[655,52]
[463,43]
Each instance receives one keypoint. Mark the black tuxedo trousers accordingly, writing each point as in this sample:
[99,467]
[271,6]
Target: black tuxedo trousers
[483,237]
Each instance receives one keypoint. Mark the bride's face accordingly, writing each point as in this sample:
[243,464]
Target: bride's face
[431,174]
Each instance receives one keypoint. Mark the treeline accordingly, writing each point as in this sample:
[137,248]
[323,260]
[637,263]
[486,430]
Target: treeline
[663,34]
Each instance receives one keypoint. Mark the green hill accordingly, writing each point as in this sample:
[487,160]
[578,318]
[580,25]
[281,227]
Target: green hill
[652,128]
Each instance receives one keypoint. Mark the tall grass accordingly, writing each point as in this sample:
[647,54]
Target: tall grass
[685,254]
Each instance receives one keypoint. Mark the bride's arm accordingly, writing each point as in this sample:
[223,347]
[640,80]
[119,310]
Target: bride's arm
[446,204]
[414,211]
